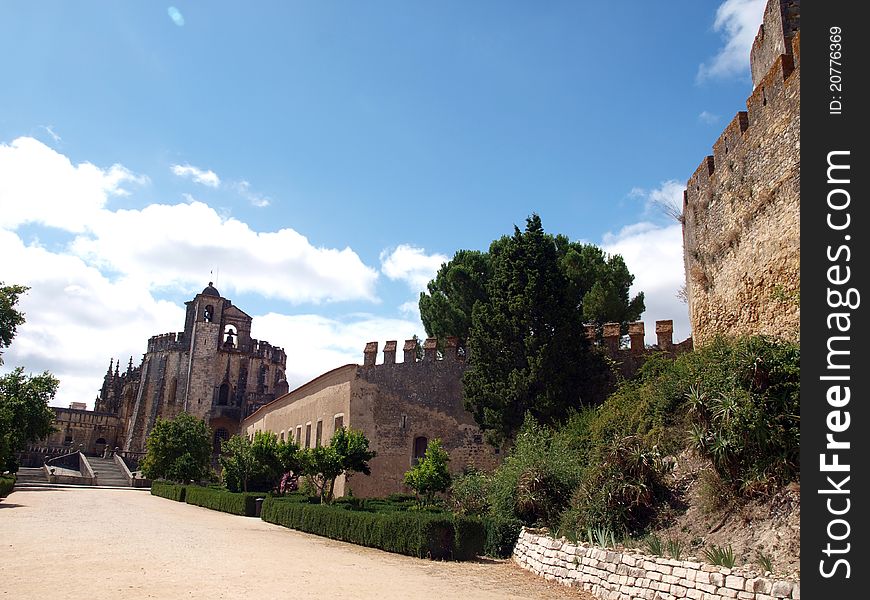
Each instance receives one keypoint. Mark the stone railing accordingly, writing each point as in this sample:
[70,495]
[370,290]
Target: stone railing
[628,575]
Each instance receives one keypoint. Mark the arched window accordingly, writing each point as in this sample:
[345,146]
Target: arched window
[420,445]
[224,394]
[231,337]
[208,315]
[220,434]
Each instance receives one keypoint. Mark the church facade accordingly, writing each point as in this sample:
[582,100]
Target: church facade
[213,370]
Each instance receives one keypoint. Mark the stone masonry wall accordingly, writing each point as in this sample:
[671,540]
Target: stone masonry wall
[627,575]
[741,208]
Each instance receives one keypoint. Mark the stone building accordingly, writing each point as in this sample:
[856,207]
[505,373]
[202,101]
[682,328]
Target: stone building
[399,406]
[213,370]
[741,207]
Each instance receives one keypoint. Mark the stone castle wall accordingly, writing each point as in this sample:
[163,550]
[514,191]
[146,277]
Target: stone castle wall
[741,208]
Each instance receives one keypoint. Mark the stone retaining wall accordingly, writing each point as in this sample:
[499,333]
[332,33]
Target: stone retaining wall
[629,575]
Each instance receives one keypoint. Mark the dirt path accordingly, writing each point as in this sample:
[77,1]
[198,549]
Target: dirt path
[107,544]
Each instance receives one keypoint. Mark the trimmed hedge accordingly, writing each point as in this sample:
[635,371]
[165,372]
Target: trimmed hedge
[6,485]
[225,501]
[167,489]
[501,536]
[414,533]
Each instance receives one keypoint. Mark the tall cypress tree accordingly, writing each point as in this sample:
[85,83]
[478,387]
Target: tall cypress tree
[527,345]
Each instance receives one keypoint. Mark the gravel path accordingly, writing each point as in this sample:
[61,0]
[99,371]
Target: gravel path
[91,543]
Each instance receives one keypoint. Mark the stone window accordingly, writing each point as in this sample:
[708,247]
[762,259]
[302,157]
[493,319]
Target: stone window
[220,434]
[319,433]
[299,434]
[338,422]
[420,445]
[282,436]
[172,390]
[308,435]
[208,315]
[224,394]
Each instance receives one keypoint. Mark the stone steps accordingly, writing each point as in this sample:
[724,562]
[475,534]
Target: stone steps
[31,475]
[108,473]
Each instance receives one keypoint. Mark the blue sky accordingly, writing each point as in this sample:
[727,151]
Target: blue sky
[323,158]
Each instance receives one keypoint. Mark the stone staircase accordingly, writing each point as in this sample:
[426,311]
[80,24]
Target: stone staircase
[27,476]
[108,473]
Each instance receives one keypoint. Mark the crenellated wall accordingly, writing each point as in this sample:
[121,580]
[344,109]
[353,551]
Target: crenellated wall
[741,207]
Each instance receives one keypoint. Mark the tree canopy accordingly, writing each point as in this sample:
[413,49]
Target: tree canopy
[10,317]
[178,449]
[597,283]
[347,452]
[257,465]
[527,346]
[430,475]
[24,412]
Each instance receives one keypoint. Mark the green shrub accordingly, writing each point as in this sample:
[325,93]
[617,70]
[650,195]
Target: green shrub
[619,491]
[243,504]
[469,493]
[430,475]
[469,537]
[415,533]
[501,536]
[750,427]
[535,481]
[723,557]
[166,489]
[6,485]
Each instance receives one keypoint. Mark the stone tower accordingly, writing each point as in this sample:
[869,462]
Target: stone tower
[213,370]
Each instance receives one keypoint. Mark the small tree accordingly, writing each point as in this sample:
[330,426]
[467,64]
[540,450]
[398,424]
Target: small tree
[430,475]
[178,449]
[259,464]
[238,463]
[348,452]
[24,413]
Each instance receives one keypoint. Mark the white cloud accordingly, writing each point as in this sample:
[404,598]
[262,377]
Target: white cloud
[244,188]
[411,265]
[77,319]
[654,255]
[52,133]
[39,185]
[173,245]
[738,21]
[316,344]
[169,245]
[708,117]
[93,299]
[666,199]
[208,178]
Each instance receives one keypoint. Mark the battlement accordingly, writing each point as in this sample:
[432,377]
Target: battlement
[741,206]
[611,340]
[167,341]
[263,349]
[451,353]
[767,100]
[780,24]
